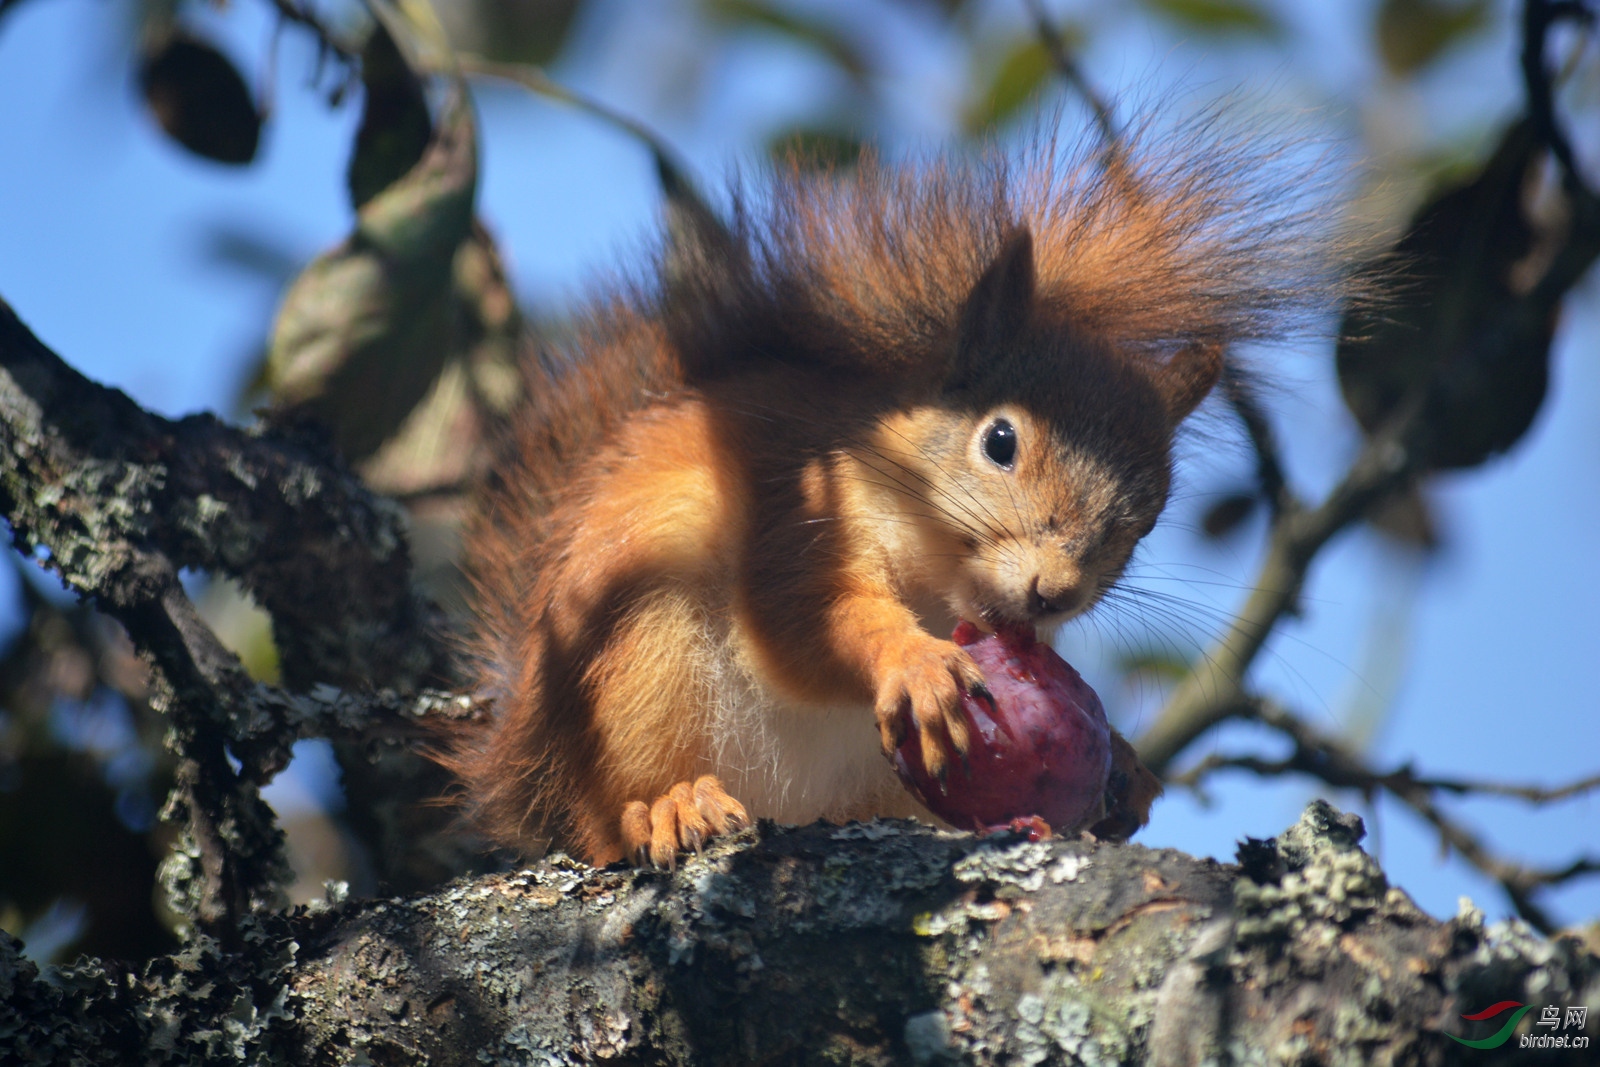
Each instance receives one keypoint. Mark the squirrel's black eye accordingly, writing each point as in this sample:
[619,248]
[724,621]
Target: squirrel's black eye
[1000,443]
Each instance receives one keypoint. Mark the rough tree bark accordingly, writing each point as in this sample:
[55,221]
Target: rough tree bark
[869,944]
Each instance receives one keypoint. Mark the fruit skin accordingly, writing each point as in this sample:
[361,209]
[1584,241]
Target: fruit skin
[1041,746]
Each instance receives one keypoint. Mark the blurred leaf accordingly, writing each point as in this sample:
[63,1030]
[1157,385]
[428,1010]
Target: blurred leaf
[441,449]
[365,329]
[1163,665]
[395,126]
[1018,76]
[1219,16]
[1409,519]
[1463,331]
[200,99]
[523,31]
[817,35]
[81,768]
[811,147]
[1413,33]
[255,252]
[944,7]
[242,627]
[479,384]
[6,7]
[1228,514]
[417,32]
[63,839]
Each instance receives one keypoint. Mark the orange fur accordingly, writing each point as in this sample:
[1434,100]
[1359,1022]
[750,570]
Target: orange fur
[743,502]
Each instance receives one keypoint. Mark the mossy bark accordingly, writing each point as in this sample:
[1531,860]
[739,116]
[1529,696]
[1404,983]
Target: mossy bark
[873,944]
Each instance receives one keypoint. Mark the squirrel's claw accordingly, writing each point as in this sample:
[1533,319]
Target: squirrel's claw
[929,684]
[680,820]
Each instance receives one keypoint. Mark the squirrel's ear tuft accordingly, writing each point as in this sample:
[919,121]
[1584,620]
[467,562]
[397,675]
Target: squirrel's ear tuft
[1186,378]
[999,303]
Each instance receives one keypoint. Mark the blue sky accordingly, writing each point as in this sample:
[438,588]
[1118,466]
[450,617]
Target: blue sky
[1479,663]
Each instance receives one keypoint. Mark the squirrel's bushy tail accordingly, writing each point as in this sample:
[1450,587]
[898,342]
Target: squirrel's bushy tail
[1191,232]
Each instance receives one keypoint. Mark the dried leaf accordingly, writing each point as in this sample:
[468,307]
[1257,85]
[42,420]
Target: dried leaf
[366,328]
[1131,789]
[1465,332]
[395,125]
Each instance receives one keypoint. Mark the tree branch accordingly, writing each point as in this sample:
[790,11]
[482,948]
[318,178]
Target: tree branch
[1067,66]
[1329,761]
[117,499]
[881,943]
[105,486]
[1211,692]
[1392,455]
[1271,482]
[1538,16]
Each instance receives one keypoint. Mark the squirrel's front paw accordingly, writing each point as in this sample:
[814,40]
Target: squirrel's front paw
[928,684]
[685,817]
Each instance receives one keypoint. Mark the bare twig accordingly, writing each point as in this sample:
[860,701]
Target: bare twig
[1067,65]
[674,175]
[1210,693]
[360,715]
[1392,456]
[1270,479]
[1538,16]
[1329,761]
[296,12]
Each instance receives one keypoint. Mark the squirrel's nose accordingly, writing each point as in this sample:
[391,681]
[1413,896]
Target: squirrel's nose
[1054,597]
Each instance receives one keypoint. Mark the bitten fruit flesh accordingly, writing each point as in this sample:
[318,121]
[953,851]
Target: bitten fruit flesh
[1041,747]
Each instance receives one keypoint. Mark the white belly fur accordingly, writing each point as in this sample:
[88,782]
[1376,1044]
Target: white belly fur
[795,763]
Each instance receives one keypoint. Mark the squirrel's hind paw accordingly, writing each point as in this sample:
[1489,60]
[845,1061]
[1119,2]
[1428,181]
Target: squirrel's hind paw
[683,818]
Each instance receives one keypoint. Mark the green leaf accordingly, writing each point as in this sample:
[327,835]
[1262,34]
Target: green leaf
[1219,16]
[814,34]
[366,328]
[1018,76]
[1163,665]
[200,99]
[1413,33]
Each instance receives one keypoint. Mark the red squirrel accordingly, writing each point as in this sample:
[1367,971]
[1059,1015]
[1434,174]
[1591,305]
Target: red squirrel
[747,502]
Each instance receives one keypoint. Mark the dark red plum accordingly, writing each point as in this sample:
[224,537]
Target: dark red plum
[1041,749]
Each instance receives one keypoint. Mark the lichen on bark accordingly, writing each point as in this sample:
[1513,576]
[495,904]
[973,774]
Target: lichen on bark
[879,943]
